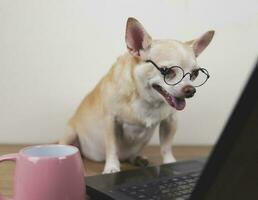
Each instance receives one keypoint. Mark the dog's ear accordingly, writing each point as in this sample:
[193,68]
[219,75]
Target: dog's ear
[201,43]
[136,37]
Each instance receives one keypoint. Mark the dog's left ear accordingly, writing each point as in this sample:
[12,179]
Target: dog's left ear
[136,37]
[201,43]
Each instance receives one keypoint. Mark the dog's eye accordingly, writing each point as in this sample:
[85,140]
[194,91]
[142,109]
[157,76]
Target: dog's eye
[171,73]
[195,74]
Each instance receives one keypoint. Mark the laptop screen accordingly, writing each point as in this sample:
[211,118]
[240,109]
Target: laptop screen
[232,169]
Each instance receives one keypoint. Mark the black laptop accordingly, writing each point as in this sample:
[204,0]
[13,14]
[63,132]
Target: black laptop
[230,173]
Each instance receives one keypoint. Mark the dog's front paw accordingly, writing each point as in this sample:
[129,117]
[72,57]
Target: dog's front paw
[168,158]
[111,167]
[111,170]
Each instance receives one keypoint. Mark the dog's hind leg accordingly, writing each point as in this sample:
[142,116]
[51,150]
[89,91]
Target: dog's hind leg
[139,161]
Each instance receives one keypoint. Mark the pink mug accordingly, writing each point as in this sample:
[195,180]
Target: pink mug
[47,172]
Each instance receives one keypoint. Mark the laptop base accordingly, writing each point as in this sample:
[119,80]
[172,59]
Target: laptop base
[121,185]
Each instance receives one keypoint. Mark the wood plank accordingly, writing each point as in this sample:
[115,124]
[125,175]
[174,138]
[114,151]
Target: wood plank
[93,168]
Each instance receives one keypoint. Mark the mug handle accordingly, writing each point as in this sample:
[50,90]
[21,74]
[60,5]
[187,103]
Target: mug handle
[8,157]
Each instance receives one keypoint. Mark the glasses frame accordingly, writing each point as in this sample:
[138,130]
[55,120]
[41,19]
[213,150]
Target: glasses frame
[164,71]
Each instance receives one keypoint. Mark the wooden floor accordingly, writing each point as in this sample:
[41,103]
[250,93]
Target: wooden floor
[92,168]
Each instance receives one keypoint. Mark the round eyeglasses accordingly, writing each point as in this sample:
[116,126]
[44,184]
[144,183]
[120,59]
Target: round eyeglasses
[175,74]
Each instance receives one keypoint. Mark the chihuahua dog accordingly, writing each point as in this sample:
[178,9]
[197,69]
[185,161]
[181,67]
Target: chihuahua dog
[143,90]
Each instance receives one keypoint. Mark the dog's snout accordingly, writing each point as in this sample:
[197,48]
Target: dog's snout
[189,91]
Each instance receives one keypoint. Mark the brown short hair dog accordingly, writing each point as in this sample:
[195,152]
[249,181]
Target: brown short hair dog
[118,117]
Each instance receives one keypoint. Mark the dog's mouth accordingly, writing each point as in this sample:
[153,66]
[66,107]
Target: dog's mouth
[175,102]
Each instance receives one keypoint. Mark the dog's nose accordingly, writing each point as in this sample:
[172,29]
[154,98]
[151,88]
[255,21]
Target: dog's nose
[189,91]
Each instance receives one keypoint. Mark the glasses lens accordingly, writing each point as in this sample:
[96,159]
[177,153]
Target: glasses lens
[199,77]
[174,75]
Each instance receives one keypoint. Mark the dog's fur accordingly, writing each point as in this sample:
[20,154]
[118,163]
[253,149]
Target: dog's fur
[118,118]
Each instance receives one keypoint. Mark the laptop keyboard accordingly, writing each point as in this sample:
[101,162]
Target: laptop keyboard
[176,187]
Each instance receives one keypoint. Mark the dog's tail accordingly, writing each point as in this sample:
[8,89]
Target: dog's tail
[70,138]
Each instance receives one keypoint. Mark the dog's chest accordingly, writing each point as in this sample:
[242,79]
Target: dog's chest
[135,133]
[151,114]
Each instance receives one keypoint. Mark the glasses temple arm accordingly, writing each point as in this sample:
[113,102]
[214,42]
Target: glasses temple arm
[153,64]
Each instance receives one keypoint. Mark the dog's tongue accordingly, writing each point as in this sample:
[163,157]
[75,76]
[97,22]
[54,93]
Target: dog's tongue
[177,103]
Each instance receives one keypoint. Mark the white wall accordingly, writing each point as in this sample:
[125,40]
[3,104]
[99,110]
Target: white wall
[53,52]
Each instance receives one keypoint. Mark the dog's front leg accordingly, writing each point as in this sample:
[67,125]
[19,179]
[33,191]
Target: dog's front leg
[167,131]
[112,162]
